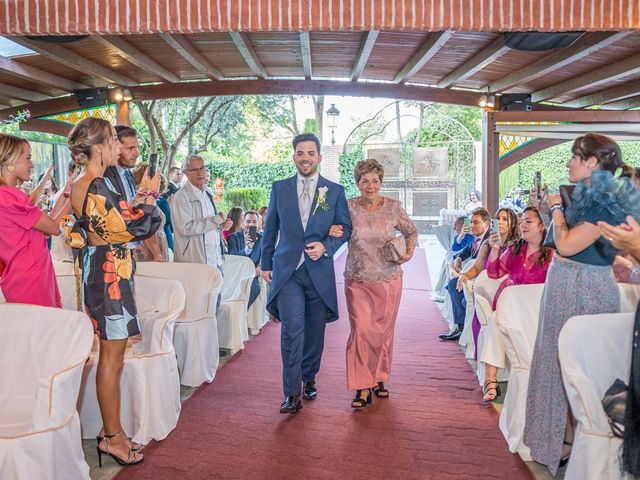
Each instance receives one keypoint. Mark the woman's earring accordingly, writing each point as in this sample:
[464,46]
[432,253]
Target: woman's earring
[101,160]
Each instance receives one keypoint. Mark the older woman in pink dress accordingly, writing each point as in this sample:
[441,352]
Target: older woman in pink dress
[373,285]
[26,270]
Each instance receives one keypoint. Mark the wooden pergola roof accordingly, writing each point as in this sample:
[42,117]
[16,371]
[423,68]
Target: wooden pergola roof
[449,51]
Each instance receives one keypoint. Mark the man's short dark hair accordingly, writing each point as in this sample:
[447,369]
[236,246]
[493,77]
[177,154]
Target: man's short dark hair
[251,212]
[174,169]
[305,137]
[482,212]
[124,131]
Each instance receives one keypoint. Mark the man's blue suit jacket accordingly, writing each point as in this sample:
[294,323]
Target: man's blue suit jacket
[283,218]
[236,246]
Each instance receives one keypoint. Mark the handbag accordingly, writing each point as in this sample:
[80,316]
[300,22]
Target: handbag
[614,403]
[395,249]
[566,191]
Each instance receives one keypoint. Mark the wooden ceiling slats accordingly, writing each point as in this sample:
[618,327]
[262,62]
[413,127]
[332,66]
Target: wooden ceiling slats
[599,62]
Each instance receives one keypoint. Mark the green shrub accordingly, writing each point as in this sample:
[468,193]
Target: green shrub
[552,163]
[246,198]
[347,164]
[254,175]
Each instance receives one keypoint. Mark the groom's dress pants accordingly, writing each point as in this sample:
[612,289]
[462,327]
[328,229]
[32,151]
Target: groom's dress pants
[303,317]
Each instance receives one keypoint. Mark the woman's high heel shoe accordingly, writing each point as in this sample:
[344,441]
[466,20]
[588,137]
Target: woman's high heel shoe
[490,391]
[380,391]
[131,456]
[360,402]
[565,460]
[134,446]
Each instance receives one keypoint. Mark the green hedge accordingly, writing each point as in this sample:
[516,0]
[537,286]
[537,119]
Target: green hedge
[246,198]
[347,164]
[256,174]
[552,163]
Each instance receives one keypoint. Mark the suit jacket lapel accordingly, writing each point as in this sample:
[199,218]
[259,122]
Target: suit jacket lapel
[293,185]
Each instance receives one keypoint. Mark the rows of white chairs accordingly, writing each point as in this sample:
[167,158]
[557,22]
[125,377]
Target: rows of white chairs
[594,350]
[47,389]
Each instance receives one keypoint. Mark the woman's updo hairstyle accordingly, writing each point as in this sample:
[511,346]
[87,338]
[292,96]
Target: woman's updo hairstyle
[369,165]
[10,149]
[87,133]
[603,148]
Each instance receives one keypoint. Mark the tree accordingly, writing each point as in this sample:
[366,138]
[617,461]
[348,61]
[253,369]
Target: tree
[169,122]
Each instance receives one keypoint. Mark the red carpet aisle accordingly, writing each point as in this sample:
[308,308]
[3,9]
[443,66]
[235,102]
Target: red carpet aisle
[434,426]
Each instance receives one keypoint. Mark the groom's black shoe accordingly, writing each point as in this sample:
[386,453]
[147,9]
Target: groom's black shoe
[291,404]
[309,391]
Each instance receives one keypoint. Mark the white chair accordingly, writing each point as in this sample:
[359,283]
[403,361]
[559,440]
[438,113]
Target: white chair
[257,316]
[150,385]
[233,329]
[484,291]
[42,353]
[195,337]
[594,350]
[516,317]
[466,339]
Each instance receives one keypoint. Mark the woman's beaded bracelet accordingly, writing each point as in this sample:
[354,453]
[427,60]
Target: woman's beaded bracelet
[556,206]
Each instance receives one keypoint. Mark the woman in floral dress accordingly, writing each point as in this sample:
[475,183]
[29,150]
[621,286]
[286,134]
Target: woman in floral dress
[104,224]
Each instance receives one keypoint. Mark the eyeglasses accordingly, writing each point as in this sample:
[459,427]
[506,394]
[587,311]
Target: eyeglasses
[196,170]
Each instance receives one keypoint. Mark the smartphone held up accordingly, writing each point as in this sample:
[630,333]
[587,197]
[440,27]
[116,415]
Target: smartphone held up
[153,165]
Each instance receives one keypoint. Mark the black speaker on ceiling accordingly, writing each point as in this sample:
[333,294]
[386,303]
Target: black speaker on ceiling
[91,97]
[515,102]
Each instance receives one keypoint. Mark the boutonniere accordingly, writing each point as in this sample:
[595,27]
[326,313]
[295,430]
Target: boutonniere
[321,199]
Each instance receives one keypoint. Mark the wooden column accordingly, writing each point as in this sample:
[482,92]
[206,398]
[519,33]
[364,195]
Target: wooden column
[490,162]
[122,116]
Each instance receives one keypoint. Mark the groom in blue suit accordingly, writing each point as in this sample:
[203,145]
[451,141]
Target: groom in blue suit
[297,259]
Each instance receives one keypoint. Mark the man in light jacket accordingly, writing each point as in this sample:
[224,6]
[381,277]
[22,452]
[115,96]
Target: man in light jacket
[197,224]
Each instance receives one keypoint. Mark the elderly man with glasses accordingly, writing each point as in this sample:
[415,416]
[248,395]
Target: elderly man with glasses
[197,224]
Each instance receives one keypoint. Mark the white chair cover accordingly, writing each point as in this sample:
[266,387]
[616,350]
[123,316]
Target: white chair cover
[489,339]
[466,339]
[232,315]
[42,353]
[258,316]
[451,273]
[594,350]
[516,317]
[195,337]
[150,385]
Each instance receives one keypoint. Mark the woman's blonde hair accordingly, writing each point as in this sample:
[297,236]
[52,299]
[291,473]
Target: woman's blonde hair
[370,165]
[10,149]
[87,133]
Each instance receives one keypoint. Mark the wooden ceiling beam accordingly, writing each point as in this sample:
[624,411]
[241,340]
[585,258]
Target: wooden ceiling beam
[305,47]
[582,116]
[479,61]
[46,126]
[187,51]
[632,102]
[621,92]
[364,52]
[582,48]
[35,75]
[425,53]
[250,56]
[135,56]
[18,93]
[72,60]
[594,78]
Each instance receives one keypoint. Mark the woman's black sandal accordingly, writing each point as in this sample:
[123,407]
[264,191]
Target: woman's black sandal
[380,391]
[360,402]
[565,460]
[488,387]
